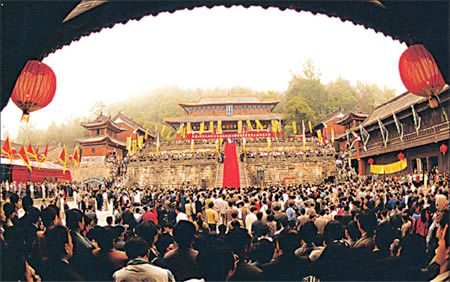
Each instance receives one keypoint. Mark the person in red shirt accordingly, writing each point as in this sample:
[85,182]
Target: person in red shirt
[150,215]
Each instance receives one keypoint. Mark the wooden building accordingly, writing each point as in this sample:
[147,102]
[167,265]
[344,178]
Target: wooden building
[407,125]
[227,115]
[102,140]
[132,129]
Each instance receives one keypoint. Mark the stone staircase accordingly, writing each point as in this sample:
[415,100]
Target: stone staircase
[219,175]
[242,170]
[242,175]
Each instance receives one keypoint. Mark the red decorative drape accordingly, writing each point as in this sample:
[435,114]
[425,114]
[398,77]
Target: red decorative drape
[230,167]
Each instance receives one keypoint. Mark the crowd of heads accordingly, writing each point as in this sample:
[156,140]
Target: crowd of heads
[358,229]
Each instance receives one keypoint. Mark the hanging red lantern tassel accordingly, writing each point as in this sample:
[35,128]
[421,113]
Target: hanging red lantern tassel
[401,156]
[420,73]
[371,161]
[35,88]
[443,149]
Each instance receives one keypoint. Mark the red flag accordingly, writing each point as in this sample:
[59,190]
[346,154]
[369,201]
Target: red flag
[63,158]
[44,157]
[23,156]
[37,153]
[45,153]
[7,149]
[31,152]
[76,156]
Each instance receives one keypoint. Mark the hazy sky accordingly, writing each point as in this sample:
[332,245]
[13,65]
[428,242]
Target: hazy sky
[208,48]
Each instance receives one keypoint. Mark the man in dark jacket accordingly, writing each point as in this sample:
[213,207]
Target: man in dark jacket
[240,242]
[82,258]
[182,260]
[287,266]
[60,250]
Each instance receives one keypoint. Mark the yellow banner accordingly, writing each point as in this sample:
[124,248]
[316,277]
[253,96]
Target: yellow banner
[140,142]
[129,144]
[133,146]
[211,126]
[389,168]
[310,127]
[188,128]
[219,127]
[274,126]
[162,130]
[239,126]
[249,125]
[202,127]
[294,127]
[319,135]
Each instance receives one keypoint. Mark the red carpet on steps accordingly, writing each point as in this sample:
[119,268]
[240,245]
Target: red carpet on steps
[230,167]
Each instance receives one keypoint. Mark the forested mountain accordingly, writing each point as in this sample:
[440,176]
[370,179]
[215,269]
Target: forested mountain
[307,97]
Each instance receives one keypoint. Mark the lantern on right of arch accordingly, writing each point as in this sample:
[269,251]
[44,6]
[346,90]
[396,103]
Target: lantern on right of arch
[420,73]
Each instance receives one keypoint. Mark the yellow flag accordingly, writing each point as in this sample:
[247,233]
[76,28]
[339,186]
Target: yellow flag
[332,135]
[274,126]
[128,144]
[169,134]
[310,127]
[188,128]
[140,142]
[162,130]
[259,126]
[192,145]
[133,146]
[202,127]
[158,145]
[249,125]
[294,127]
[211,126]
[219,127]
[304,135]
[146,135]
[319,135]
[278,126]
[239,126]
[269,142]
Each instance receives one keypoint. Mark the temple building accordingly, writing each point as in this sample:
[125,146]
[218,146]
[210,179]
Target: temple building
[132,128]
[227,116]
[108,135]
[401,136]
[103,139]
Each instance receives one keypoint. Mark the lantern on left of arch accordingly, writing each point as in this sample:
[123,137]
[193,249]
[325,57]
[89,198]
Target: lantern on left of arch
[35,88]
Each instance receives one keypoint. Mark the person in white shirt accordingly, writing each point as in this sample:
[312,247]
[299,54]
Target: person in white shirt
[250,218]
[180,215]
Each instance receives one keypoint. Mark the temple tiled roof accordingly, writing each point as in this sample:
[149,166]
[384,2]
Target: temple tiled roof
[355,112]
[228,101]
[131,122]
[185,119]
[102,121]
[397,104]
[99,139]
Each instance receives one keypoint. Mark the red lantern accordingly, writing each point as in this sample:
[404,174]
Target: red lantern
[401,156]
[420,73]
[443,149]
[35,88]
[371,161]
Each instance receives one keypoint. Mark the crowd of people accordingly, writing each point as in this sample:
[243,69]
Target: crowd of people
[357,229]
[165,156]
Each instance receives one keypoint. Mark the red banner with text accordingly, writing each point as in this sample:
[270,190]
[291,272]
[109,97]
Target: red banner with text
[204,136]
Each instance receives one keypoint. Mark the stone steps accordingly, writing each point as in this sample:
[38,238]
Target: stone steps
[219,175]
